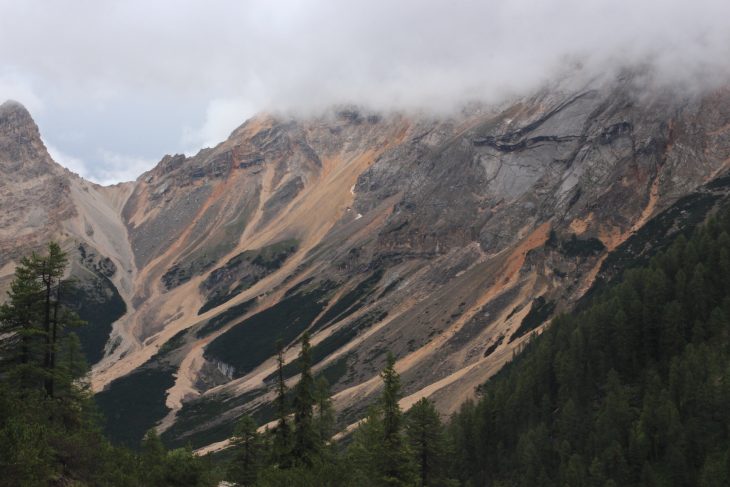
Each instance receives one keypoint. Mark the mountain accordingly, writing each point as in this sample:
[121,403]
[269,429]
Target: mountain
[446,240]
[42,201]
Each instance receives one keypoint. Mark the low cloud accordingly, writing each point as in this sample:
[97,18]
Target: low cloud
[222,116]
[114,167]
[16,87]
[106,168]
[73,164]
[226,60]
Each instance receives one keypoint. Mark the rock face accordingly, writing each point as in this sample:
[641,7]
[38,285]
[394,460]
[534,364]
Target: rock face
[40,201]
[445,241]
[34,190]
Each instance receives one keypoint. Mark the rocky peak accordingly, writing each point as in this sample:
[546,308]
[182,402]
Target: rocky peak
[20,139]
[34,190]
[16,123]
[14,108]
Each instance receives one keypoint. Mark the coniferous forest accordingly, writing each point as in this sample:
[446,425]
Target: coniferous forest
[632,390]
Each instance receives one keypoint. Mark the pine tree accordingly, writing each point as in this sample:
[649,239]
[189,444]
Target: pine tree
[184,468]
[50,269]
[325,417]
[379,453]
[248,448]
[20,321]
[153,451]
[153,456]
[389,400]
[428,443]
[36,316]
[281,449]
[397,468]
[366,452]
[306,440]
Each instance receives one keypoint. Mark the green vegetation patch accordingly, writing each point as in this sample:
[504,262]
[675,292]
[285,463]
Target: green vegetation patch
[656,235]
[182,272]
[350,302]
[243,271]
[332,343]
[136,402]
[336,370]
[253,340]
[98,313]
[576,247]
[491,348]
[189,426]
[177,341]
[197,422]
[221,319]
[203,435]
[538,314]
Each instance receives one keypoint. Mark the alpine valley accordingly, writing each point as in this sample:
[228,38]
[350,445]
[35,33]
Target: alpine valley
[446,240]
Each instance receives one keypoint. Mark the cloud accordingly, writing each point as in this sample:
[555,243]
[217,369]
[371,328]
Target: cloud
[14,87]
[294,54]
[224,60]
[107,168]
[115,167]
[74,164]
[222,116]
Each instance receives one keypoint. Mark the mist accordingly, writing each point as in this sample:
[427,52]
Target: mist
[117,81]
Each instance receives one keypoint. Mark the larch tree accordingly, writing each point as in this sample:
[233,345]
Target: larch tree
[248,447]
[281,448]
[325,416]
[379,453]
[19,321]
[397,468]
[306,439]
[428,443]
[36,316]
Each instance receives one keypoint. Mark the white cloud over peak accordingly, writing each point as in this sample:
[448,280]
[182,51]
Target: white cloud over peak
[106,168]
[153,77]
[222,116]
[15,87]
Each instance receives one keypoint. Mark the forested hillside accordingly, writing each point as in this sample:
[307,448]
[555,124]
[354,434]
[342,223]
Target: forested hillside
[634,390]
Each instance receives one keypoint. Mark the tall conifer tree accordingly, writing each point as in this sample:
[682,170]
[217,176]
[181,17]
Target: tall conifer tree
[248,449]
[306,439]
[397,468]
[428,443]
[282,433]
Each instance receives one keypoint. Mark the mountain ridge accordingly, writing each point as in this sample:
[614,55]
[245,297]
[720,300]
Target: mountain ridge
[445,241]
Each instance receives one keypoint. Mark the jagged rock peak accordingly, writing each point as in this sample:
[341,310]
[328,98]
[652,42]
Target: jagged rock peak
[13,105]
[34,189]
[18,132]
[21,146]
[15,117]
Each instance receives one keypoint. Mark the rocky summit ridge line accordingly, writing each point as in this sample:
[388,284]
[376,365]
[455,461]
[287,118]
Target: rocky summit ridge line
[444,240]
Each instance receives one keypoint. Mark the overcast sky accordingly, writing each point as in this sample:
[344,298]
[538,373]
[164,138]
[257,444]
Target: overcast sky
[114,85]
